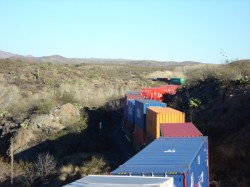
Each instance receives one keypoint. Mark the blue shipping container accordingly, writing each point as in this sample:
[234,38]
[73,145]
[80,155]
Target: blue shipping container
[130,111]
[140,111]
[184,159]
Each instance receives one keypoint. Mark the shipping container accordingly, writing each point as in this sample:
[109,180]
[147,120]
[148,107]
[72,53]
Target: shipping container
[178,81]
[130,96]
[147,94]
[140,111]
[179,130]
[122,181]
[155,116]
[184,159]
[128,135]
[131,115]
[170,89]
[153,93]
[138,138]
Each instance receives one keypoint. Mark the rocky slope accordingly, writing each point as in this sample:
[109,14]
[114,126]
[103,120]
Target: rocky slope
[221,111]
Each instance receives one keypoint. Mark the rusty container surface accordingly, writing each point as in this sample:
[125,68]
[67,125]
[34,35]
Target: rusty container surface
[156,116]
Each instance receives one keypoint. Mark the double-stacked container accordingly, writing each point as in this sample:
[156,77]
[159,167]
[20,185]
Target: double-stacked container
[130,96]
[130,125]
[153,93]
[179,130]
[156,116]
[170,89]
[184,159]
[177,81]
[121,181]
[140,120]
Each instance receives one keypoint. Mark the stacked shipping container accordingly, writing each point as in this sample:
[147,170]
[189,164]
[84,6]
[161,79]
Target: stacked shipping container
[179,130]
[184,159]
[140,120]
[156,116]
[130,96]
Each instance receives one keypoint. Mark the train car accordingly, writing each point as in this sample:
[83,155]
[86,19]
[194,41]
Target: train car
[156,116]
[130,95]
[184,159]
[121,181]
[140,120]
[179,130]
[153,93]
[177,81]
[130,125]
[170,89]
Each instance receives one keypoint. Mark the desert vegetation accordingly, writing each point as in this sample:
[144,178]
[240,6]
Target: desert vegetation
[53,113]
[217,100]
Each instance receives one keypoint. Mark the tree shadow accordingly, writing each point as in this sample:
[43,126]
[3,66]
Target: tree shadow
[107,142]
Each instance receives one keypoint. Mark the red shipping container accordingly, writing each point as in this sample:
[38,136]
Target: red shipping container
[138,138]
[170,89]
[133,96]
[153,93]
[179,130]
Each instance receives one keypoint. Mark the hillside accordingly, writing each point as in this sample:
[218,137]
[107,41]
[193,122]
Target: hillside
[4,55]
[53,111]
[219,106]
[57,59]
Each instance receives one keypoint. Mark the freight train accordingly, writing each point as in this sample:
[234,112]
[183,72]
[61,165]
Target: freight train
[168,147]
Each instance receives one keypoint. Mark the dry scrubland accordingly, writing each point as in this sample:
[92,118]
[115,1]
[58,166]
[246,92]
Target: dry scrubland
[53,112]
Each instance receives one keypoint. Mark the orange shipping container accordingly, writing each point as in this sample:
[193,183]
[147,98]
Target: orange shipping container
[155,116]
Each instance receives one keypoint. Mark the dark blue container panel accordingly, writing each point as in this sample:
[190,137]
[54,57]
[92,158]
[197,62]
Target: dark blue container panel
[130,112]
[140,111]
[184,159]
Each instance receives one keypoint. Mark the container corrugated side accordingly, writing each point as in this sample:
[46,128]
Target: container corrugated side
[138,138]
[170,89]
[130,96]
[153,93]
[179,130]
[155,116]
[140,111]
[121,181]
[131,115]
[133,96]
[184,159]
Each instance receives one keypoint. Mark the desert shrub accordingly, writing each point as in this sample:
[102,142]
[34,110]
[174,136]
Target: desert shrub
[94,166]
[45,165]
[65,97]
[4,170]
[225,73]
[78,126]
[29,173]
[43,106]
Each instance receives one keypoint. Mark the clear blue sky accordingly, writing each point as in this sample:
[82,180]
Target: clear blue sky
[197,30]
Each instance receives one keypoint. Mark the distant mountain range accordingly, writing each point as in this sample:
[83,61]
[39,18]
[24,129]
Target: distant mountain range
[63,60]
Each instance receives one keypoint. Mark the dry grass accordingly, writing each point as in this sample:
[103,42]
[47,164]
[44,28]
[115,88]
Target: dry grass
[89,85]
